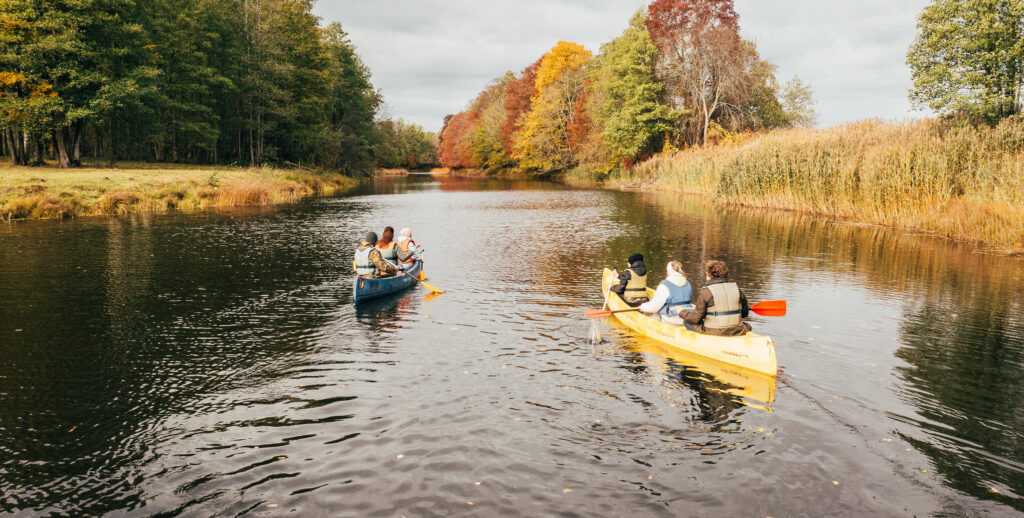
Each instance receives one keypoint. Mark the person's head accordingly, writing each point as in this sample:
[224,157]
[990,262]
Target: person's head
[386,237]
[406,232]
[675,267]
[717,270]
[370,237]
[635,258]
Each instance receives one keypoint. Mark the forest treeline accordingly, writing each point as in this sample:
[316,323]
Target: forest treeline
[680,75]
[249,82]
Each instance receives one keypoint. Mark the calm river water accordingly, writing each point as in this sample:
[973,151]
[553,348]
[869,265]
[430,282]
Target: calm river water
[213,364]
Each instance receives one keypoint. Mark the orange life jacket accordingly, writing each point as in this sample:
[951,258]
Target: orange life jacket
[404,245]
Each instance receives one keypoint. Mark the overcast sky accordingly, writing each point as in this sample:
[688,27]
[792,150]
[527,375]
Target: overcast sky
[431,57]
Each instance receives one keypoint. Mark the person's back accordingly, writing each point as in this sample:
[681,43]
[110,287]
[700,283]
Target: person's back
[387,246]
[632,283]
[720,306]
[406,249]
[368,261]
[672,295]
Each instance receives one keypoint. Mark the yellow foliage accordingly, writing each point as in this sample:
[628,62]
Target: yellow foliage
[564,55]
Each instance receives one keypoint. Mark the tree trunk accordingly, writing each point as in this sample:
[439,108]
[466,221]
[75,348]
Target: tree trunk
[36,145]
[64,157]
[12,145]
[76,152]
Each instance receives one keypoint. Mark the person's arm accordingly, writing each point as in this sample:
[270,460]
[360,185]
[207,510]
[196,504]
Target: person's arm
[380,263]
[404,256]
[620,288]
[744,308]
[354,267]
[700,308]
[654,305]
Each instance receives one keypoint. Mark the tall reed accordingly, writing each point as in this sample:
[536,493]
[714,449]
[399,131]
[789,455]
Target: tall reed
[934,176]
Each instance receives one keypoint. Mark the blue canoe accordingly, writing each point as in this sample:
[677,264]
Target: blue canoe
[364,289]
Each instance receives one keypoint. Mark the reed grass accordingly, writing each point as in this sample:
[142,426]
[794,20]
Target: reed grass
[43,192]
[934,176]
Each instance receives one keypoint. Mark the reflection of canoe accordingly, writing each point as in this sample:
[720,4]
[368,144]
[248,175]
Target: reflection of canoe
[366,289]
[721,377]
[750,351]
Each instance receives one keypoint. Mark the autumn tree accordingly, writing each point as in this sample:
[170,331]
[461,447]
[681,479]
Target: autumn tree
[968,57]
[701,58]
[517,104]
[543,140]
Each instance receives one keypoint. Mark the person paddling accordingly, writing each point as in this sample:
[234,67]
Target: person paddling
[632,284]
[672,295]
[368,261]
[720,306]
[406,249]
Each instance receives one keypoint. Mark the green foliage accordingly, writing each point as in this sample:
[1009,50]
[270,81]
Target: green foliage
[628,109]
[400,144]
[968,57]
[184,80]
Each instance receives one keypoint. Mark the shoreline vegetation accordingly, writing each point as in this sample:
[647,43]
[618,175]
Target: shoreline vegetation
[52,193]
[940,177]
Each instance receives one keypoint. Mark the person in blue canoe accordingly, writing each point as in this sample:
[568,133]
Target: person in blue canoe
[672,296]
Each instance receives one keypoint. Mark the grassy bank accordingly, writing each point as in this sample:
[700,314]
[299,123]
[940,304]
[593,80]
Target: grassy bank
[931,176]
[44,192]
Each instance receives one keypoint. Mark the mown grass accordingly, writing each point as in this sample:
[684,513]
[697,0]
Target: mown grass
[44,192]
[933,176]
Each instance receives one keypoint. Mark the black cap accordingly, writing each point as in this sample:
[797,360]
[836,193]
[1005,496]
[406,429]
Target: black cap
[370,237]
[635,258]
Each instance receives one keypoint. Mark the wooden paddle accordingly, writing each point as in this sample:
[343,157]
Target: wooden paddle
[765,308]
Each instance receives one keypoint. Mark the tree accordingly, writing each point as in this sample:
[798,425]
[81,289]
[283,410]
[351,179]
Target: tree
[798,104]
[701,57]
[543,140]
[627,109]
[517,104]
[968,57]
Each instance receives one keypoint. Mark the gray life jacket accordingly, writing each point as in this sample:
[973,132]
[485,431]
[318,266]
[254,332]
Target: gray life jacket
[364,266]
[727,311]
[390,254]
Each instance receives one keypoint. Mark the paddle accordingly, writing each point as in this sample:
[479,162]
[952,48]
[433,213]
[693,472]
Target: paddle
[429,287]
[765,308]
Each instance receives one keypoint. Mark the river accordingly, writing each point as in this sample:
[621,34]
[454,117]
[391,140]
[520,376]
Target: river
[213,364]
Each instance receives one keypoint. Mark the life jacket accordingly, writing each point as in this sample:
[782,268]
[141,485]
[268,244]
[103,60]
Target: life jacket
[636,287]
[727,311]
[390,253]
[364,266]
[678,296]
[404,247]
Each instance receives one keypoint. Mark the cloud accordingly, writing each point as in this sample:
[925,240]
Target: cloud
[431,57]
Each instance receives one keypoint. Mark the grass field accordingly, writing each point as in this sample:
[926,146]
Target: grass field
[932,176]
[47,192]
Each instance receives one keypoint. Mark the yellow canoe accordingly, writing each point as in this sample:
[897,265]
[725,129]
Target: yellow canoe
[750,351]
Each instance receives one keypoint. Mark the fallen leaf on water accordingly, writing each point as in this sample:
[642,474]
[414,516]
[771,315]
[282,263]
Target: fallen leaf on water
[18,330]
[650,477]
[455,329]
[924,471]
[399,456]
[835,482]
[477,483]
[566,490]
[282,457]
[72,429]
[993,490]
[470,503]
[271,505]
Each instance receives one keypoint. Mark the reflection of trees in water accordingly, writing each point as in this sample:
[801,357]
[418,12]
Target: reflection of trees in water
[153,319]
[961,334]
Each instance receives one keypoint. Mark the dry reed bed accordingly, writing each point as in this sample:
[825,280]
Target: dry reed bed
[52,193]
[932,176]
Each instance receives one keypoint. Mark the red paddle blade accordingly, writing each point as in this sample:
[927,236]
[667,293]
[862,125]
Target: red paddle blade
[769,312]
[769,305]
[597,313]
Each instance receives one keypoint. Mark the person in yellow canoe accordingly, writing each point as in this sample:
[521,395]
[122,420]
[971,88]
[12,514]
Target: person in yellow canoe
[672,295]
[368,261]
[632,282]
[720,307]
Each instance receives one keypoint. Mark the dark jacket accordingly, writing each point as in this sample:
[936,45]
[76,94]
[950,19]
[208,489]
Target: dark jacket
[705,299]
[624,277]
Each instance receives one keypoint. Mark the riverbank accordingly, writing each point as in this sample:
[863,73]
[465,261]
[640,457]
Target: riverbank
[961,182]
[46,192]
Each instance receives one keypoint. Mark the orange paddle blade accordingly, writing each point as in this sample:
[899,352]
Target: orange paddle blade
[770,305]
[770,312]
[597,313]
